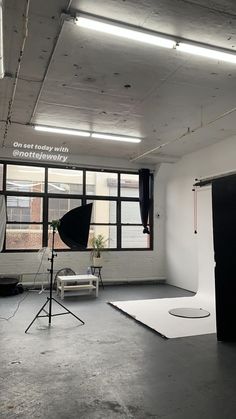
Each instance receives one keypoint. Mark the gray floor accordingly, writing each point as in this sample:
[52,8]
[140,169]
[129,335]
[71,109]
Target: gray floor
[112,367]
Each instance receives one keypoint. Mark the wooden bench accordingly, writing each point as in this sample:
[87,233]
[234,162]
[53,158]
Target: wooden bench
[77,283]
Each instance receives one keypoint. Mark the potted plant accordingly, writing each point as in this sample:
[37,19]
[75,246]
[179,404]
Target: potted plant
[98,244]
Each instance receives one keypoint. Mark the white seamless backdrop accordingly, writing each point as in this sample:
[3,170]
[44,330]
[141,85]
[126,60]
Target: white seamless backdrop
[155,313]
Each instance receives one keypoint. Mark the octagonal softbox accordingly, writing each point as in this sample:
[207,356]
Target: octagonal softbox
[74,227]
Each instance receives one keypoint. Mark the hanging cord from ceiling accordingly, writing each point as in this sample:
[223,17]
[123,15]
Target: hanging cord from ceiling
[194,210]
[16,77]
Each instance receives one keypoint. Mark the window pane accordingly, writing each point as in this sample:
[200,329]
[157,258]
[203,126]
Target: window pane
[65,181]
[133,237]
[129,185]
[25,178]
[57,207]
[19,236]
[130,213]
[100,183]
[103,211]
[24,209]
[109,232]
[1,175]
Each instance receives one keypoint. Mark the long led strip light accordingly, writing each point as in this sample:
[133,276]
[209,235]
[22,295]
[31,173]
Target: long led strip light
[140,35]
[121,31]
[115,137]
[206,52]
[100,136]
[56,130]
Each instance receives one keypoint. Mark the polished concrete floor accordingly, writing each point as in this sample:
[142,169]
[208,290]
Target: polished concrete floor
[111,367]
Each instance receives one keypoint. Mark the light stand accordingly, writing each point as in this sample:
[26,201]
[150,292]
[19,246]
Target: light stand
[50,298]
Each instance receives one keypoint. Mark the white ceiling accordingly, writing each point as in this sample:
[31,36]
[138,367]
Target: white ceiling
[176,102]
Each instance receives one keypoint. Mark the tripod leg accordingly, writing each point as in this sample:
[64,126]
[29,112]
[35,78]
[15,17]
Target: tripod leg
[50,298]
[41,309]
[68,311]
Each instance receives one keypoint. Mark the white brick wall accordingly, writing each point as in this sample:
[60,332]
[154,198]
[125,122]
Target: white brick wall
[117,266]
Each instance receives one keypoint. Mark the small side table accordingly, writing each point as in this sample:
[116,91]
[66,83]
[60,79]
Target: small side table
[96,270]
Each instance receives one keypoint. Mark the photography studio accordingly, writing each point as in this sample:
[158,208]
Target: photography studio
[117,209]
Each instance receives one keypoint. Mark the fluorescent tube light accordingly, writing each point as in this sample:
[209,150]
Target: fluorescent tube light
[206,52]
[62,131]
[140,35]
[86,134]
[114,29]
[1,43]
[115,138]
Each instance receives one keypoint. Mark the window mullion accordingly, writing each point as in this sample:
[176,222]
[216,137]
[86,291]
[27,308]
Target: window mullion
[118,212]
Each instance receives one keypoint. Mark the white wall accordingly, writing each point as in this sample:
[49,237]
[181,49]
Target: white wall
[126,265]
[181,242]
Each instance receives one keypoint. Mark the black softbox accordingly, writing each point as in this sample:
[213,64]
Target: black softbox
[74,227]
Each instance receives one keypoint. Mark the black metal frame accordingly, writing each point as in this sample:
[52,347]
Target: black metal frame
[84,198]
[50,298]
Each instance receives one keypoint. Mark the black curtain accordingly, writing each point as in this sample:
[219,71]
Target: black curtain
[224,234]
[3,220]
[144,197]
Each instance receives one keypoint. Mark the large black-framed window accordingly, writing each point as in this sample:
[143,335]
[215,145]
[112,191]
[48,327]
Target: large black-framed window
[36,194]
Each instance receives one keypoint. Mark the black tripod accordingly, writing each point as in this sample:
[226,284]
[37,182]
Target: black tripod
[50,298]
